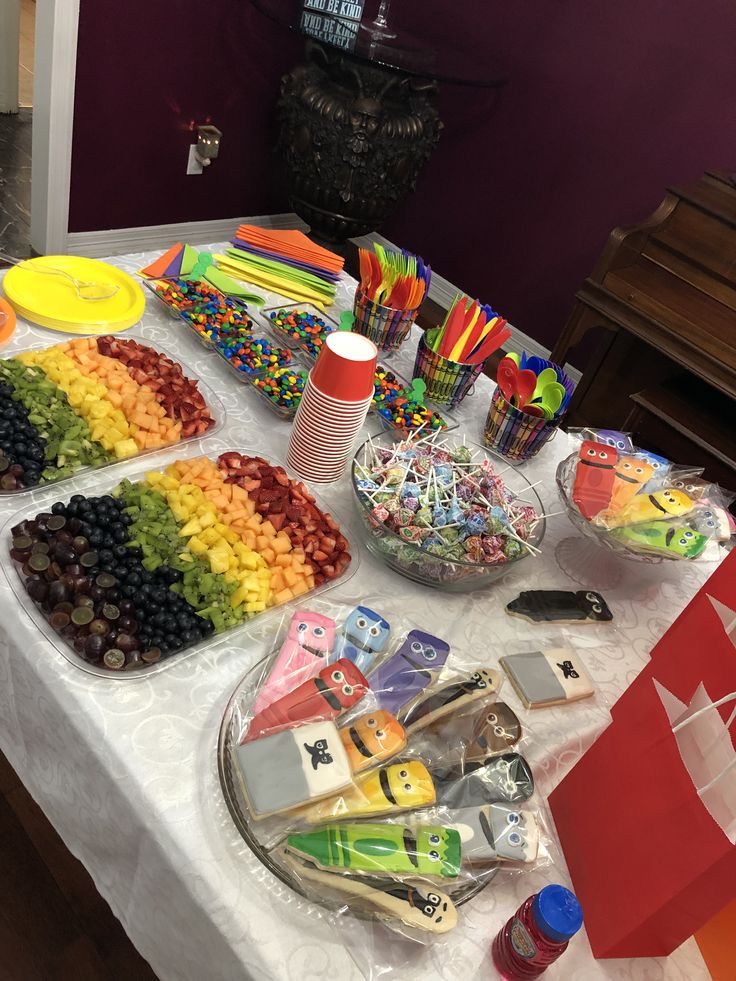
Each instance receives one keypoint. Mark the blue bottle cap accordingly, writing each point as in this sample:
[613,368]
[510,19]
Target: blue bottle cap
[557,913]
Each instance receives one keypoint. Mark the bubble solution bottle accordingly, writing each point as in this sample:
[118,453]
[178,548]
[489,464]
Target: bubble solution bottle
[537,934]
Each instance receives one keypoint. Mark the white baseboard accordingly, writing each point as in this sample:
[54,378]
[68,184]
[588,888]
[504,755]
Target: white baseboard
[116,241]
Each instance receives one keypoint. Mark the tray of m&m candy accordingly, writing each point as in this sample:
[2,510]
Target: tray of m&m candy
[301,326]
[207,311]
[281,386]
[401,405]
[91,402]
[125,577]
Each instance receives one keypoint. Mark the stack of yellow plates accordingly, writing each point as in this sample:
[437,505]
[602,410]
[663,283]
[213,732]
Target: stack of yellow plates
[55,302]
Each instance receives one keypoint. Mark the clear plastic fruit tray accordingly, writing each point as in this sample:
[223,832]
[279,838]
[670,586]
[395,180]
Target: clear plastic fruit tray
[211,399]
[104,484]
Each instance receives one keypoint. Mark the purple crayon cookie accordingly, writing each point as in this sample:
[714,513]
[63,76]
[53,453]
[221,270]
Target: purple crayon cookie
[413,667]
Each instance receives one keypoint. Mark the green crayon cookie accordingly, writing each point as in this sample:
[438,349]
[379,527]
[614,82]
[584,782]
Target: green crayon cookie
[382,849]
[662,537]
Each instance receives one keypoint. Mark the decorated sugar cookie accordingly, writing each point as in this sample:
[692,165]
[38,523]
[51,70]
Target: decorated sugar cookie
[413,903]
[611,437]
[560,606]
[280,772]
[663,537]
[382,849]
[711,521]
[436,704]
[389,790]
[413,667]
[667,503]
[553,677]
[630,475]
[374,737]
[364,635]
[496,833]
[496,731]
[309,641]
[503,778]
[594,478]
[335,689]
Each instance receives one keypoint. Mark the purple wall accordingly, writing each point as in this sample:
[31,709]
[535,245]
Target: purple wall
[607,104]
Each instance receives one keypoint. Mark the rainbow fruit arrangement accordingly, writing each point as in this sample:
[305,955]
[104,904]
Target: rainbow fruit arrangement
[87,402]
[134,576]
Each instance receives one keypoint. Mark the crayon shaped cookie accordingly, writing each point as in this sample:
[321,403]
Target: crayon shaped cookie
[560,606]
[364,635]
[372,738]
[506,778]
[331,692]
[629,476]
[496,833]
[667,503]
[429,707]
[391,789]
[663,538]
[542,678]
[409,671]
[291,768]
[381,849]
[594,478]
[497,729]
[309,641]
[413,903]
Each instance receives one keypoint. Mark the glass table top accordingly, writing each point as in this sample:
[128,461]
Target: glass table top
[433,39]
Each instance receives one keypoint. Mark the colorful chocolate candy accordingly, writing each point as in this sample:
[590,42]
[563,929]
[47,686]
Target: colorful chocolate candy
[249,354]
[283,386]
[401,407]
[206,309]
[308,329]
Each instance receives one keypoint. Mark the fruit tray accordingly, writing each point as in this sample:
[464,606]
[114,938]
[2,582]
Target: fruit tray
[127,575]
[196,313]
[94,402]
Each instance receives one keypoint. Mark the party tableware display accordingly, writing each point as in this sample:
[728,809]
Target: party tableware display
[527,407]
[91,402]
[124,577]
[74,295]
[439,513]
[336,399]
[393,285]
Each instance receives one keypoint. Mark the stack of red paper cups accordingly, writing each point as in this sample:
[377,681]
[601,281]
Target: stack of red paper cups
[335,402]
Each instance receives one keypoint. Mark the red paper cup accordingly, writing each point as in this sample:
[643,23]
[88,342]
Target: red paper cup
[322,454]
[345,367]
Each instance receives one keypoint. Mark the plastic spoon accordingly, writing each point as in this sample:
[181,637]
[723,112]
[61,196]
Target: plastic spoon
[544,378]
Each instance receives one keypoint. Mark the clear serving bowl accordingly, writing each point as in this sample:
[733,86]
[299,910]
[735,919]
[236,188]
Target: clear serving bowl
[411,560]
[601,536]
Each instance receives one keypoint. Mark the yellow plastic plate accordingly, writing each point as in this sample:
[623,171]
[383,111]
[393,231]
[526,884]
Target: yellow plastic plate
[52,301]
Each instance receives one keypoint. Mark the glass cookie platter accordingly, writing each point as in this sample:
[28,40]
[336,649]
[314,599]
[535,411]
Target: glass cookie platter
[411,757]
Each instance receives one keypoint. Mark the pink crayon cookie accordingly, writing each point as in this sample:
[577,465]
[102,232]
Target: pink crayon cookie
[308,643]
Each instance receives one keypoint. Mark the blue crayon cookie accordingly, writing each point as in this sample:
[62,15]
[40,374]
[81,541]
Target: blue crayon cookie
[364,634]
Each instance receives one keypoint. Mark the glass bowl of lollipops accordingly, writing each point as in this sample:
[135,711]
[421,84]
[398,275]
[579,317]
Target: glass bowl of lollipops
[609,502]
[444,513]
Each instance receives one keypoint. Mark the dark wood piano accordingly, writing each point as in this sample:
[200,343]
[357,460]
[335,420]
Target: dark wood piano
[665,367]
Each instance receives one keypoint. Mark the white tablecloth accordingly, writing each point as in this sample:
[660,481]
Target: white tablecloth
[126,771]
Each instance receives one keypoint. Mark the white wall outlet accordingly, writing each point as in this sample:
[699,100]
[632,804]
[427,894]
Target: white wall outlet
[194,164]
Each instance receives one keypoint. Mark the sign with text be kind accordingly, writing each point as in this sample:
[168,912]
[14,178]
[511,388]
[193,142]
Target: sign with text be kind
[346,9]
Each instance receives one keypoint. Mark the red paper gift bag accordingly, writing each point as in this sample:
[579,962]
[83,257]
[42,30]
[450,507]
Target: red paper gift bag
[705,630]
[649,862]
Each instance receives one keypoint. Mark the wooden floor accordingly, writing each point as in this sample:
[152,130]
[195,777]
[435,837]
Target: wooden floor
[54,925]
